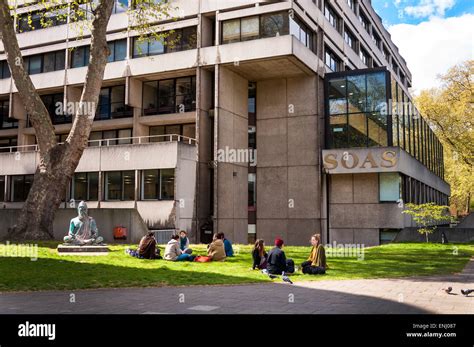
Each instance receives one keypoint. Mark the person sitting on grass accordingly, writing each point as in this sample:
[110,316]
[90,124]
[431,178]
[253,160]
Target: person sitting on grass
[316,263]
[259,255]
[174,253]
[277,262]
[216,250]
[184,242]
[146,249]
[229,251]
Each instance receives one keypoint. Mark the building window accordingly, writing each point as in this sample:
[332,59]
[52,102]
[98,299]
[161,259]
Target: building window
[169,96]
[54,104]
[252,191]
[112,104]
[85,186]
[80,56]
[305,35]
[350,39]
[118,50]
[41,19]
[331,60]
[255,27]
[6,122]
[20,187]
[376,39]
[110,137]
[6,142]
[357,110]
[120,185]
[188,130]
[389,187]
[173,41]
[4,70]
[364,21]
[158,184]
[331,16]
[364,56]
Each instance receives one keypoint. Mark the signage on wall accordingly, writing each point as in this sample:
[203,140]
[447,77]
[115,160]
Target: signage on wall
[360,160]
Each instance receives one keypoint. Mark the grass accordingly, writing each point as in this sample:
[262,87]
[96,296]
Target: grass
[54,272]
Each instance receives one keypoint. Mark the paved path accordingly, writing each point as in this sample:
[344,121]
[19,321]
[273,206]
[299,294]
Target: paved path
[386,296]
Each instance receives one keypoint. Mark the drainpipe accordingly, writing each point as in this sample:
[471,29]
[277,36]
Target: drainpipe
[216,122]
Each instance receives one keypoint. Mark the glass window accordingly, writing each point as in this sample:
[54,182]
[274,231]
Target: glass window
[80,56]
[140,48]
[124,136]
[20,187]
[274,24]
[128,185]
[337,96]
[338,131]
[155,46]
[80,186]
[189,38]
[120,185]
[356,93]
[4,70]
[252,191]
[331,16]
[250,28]
[389,186]
[189,130]
[166,97]
[35,64]
[231,31]
[357,130]
[93,180]
[167,184]
[150,98]
[377,93]
[151,184]
[113,189]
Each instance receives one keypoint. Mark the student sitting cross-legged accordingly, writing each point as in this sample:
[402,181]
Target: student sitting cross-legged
[184,242]
[173,251]
[277,262]
[316,263]
[259,255]
[216,250]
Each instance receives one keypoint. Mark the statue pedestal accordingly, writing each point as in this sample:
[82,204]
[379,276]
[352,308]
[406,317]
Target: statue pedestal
[82,250]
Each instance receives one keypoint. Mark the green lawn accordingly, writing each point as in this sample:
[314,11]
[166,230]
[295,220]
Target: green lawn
[118,269]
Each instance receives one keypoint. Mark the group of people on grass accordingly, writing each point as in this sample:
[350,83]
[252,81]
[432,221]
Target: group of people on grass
[274,262]
[177,249]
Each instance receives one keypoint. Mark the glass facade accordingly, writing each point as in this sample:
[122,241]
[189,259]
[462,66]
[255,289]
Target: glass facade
[368,108]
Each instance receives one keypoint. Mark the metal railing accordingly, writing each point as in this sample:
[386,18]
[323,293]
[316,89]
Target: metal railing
[136,140]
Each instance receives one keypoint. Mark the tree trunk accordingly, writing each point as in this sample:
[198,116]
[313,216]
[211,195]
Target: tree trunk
[47,191]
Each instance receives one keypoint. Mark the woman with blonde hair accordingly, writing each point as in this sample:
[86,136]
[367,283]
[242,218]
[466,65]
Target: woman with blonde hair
[316,263]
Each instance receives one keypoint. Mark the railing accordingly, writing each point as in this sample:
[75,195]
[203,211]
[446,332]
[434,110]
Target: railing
[137,140]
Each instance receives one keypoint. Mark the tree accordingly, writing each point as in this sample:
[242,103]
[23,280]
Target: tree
[426,216]
[450,112]
[58,162]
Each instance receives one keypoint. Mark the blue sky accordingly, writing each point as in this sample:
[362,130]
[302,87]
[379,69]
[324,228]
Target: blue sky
[416,11]
[432,35]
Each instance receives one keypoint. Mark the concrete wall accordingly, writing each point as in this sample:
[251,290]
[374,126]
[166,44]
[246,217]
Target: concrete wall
[106,220]
[288,160]
[355,214]
[232,177]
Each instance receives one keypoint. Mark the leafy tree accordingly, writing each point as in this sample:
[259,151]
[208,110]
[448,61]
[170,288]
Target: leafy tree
[450,111]
[58,162]
[426,216]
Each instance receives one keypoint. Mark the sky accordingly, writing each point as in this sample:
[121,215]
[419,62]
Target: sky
[432,35]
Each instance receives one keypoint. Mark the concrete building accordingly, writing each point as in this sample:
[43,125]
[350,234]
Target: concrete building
[315,87]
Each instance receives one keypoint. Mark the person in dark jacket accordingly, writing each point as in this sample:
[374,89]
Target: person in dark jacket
[259,255]
[277,262]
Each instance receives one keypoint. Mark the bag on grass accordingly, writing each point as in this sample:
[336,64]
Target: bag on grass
[202,259]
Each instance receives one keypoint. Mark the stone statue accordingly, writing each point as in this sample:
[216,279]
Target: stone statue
[83,229]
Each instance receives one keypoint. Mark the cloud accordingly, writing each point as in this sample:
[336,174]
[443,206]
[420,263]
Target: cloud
[428,8]
[431,47]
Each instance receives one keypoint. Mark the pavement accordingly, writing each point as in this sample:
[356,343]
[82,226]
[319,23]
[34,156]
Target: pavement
[413,295]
